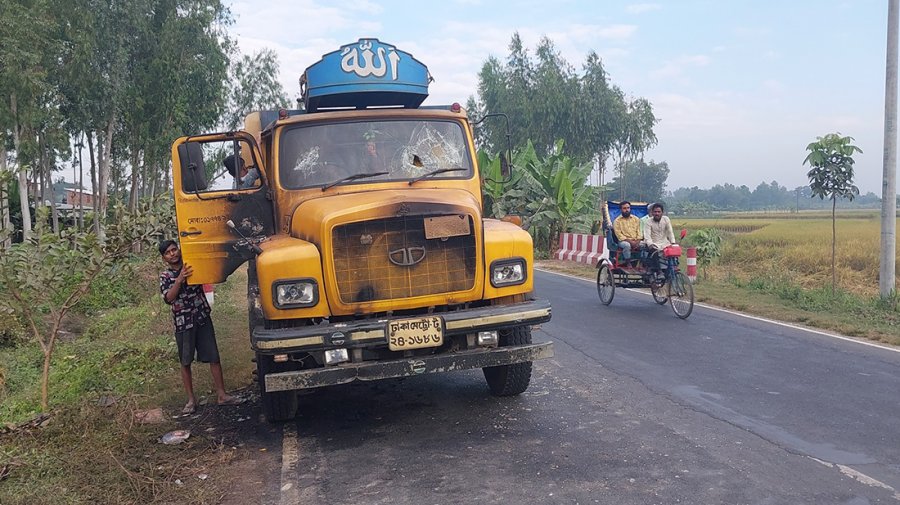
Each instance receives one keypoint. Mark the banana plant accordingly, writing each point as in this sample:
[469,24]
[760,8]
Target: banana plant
[560,187]
[502,195]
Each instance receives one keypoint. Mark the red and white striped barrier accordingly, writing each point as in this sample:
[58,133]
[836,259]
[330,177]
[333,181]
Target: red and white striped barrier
[581,248]
[692,263]
[208,291]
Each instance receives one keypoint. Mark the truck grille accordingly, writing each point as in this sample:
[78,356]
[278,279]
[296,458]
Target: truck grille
[390,258]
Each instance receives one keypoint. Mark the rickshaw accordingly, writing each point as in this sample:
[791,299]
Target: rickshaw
[671,285]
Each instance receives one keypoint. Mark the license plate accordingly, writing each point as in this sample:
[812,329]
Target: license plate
[406,334]
[446,226]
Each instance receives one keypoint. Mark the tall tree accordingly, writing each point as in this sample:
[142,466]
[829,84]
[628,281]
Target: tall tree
[595,133]
[112,28]
[557,86]
[24,42]
[635,136]
[253,85]
[546,100]
[184,89]
[157,73]
[647,180]
[831,176]
[5,181]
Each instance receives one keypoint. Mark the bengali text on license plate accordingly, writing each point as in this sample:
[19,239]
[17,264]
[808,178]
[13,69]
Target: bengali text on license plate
[405,334]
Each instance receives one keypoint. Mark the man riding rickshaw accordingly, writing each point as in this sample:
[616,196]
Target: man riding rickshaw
[643,254]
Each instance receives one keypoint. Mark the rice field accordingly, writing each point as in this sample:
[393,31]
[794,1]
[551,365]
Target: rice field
[796,248]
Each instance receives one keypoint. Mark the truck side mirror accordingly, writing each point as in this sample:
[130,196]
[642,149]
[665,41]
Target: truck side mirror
[193,169]
[683,233]
[504,166]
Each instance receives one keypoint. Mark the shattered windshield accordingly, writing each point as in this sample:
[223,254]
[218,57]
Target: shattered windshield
[317,155]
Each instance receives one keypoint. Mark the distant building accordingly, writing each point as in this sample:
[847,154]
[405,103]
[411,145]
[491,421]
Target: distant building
[68,196]
[76,197]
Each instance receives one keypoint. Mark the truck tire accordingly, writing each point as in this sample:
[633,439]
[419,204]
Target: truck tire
[277,406]
[510,380]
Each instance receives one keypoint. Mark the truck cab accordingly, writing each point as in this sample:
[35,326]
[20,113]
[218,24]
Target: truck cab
[361,221]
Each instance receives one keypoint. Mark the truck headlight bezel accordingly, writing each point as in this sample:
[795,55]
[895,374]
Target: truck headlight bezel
[295,282]
[497,265]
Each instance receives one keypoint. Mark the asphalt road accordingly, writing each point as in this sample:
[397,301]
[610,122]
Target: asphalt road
[637,407]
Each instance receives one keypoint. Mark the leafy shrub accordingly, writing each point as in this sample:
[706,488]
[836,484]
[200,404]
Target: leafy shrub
[708,242]
[128,282]
[11,332]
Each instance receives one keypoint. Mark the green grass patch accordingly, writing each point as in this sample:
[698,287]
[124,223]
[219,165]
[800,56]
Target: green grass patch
[840,304]
[118,355]
[123,349]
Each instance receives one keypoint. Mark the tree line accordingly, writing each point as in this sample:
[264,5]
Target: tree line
[564,126]
[547,100]
[599,125]
[766,196]
[106,85]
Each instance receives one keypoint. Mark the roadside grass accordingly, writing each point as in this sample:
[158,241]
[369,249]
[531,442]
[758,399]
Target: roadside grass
[843,312]
[88,451]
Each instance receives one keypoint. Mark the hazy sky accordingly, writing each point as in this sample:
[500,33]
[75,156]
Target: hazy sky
[740,87]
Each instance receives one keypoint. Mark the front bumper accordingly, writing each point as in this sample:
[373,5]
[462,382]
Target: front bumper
[376,370]
[369,332]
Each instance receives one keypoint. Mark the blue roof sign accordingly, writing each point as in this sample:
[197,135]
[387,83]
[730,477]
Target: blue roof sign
[364,74]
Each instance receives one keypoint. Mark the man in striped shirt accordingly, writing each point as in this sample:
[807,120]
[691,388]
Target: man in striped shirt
[658,235]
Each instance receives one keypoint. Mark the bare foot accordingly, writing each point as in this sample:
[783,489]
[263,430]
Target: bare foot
[230,400]
[189,408]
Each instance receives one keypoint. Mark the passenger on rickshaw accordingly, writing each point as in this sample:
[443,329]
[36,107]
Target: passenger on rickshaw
[627,228]
[658,235]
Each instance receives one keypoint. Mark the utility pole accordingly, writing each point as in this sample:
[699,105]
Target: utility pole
[887,272]
[79,144]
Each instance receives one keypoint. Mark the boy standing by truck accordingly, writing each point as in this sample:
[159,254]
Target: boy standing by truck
[194,332]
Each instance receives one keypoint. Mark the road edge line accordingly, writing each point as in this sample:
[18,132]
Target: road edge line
[749,316]
[290,456]
[857,475]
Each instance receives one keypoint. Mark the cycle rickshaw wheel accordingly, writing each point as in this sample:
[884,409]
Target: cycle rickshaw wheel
[681,295]
[659,293]
[606,286]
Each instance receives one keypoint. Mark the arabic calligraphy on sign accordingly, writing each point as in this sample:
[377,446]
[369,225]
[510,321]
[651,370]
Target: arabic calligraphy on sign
[363,61]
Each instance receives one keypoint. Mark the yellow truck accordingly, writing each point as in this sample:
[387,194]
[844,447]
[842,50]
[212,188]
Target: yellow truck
[360,217]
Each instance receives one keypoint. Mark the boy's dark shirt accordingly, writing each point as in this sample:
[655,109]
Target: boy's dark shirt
[190,307]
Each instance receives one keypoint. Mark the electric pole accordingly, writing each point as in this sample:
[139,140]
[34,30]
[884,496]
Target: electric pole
[887,272]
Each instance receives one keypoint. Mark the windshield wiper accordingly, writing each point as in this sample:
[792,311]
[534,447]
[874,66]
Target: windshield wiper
[353,178]
[435,172]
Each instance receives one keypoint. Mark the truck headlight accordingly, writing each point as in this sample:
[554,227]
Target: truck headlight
[293,293]
[508,272]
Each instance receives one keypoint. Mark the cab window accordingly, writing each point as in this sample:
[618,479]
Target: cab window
[218,166]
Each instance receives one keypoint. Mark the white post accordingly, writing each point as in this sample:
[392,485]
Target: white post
[887,272]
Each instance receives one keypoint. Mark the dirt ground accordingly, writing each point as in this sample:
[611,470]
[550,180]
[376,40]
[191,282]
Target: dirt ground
[246,448]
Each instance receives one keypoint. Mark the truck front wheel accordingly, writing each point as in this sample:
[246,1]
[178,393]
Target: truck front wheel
[277,405]
[510,380]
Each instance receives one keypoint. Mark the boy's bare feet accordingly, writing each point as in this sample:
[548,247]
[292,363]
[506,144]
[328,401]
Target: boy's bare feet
[230,400]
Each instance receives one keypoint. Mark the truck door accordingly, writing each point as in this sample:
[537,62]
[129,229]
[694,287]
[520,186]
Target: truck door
[220,178]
